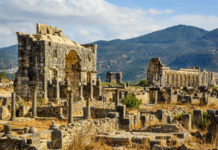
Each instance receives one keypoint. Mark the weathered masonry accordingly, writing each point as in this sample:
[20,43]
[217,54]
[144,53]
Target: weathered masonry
[52,62]
[110,77]
[161,75]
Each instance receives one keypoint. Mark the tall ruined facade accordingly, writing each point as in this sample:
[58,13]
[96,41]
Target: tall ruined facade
[50,61]
[161,75]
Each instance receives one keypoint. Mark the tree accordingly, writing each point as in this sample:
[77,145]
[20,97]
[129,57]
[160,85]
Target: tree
[131,101]
[143,83]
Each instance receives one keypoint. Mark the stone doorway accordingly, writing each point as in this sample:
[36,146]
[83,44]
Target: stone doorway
[72,71]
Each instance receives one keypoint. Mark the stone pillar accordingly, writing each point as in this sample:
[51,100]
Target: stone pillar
[34,102]
[81,91]
[186,121]
[197,118]
[91,90]
[108,77]
[155,96]
[117,98]
[70,109]
[171,95]
[56,91]
[60,113]
[174,84]
[178,81]
[13,106]
[99,87]
[170,80]
[119,78]
[88,109]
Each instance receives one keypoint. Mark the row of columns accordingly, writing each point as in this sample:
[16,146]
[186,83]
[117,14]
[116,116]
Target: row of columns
[181,80]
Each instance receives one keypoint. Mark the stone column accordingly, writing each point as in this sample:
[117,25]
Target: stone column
[174,84]
[108,77]
[81,91]
[34,102]
[13,107]
[70,109]
[178,81]
[91,90]
[99,86]
[171,95]
[60,113]
[88,109]
[55,83]
[156,96]
[119,78]
[117,98]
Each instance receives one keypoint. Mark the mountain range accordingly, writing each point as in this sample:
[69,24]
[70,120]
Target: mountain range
[178,47]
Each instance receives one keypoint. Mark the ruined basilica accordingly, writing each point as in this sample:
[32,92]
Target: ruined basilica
[161,75]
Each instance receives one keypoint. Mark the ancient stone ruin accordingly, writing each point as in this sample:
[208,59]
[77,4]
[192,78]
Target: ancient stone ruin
[160,75]
[117,75]
[58,102]
[48,59]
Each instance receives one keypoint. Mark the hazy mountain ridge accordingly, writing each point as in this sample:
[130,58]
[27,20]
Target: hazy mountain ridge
[178,46]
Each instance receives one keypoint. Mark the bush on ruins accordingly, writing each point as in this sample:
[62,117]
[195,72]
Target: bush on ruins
[143,83]
[131,101]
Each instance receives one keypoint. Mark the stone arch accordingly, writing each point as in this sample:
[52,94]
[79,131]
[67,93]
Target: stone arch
[72,71]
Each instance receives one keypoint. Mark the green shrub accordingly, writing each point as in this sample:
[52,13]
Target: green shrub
[143,83]
[131,101]
[42,101]
[206,120]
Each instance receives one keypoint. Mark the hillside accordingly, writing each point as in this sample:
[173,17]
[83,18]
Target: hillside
[132,56]
[8,57]
[178,46]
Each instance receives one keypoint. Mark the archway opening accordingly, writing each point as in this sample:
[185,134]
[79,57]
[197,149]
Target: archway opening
[72,71]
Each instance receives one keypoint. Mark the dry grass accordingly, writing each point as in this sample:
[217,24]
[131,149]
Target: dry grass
[85,140]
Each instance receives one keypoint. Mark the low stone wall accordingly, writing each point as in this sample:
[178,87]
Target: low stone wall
[80,132]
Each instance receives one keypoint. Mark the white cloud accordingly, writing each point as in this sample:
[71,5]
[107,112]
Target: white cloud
[206,22]
[88,20]
[153,11]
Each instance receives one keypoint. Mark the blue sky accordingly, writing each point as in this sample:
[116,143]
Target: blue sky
[205,7]
[86,21]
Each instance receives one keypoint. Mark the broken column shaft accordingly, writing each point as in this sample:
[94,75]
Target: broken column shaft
[88,109]
[70,109]
[13,107]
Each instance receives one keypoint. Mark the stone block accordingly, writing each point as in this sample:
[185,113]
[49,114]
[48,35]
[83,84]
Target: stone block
[121,109]
[4,113]
[143,120]
[186,121]
[57,139]
[197,118]
[113,115]
[169,119]
[159,115]
[124,124]
[23,111]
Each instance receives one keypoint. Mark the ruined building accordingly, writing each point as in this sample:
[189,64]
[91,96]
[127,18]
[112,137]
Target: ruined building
[110,77]
[160,75]
[52,62]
